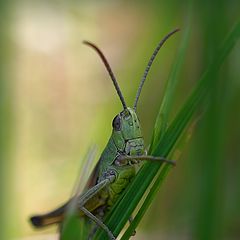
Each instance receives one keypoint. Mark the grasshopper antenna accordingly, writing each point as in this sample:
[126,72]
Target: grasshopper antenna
[150,64]
[109,71]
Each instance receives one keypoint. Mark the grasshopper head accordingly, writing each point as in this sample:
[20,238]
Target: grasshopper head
[127,124]
[126,133]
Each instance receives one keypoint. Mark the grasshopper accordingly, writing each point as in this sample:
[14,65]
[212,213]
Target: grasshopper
[118,162]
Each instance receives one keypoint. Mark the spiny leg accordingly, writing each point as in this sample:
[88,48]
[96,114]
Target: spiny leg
[93,231]
[94,228]
[98,222]
[145,158]
[91,193]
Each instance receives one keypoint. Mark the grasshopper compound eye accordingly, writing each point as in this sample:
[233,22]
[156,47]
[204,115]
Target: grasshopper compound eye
[116,123]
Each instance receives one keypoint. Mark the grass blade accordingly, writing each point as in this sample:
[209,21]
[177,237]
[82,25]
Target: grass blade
[160,128]
[120,214]
[163,115]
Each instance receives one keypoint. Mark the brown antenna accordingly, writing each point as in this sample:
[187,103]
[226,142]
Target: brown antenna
[109,71]
[150,64]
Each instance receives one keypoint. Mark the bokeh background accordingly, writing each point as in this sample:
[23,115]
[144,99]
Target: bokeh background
[56,100]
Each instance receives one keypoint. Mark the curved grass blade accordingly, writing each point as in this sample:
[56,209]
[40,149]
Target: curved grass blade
[163,114]
[123,209]
[160,128]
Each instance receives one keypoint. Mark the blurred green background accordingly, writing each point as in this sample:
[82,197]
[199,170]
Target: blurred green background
[56,100]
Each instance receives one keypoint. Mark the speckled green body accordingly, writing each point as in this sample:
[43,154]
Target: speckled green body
[127,140]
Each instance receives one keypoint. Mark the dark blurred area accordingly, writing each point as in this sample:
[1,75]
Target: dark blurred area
[56,100]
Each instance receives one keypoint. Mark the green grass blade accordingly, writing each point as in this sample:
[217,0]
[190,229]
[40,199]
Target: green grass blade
[74,228]
[198,92]
[160,128]
[163,115]
[148,200]
[119,215]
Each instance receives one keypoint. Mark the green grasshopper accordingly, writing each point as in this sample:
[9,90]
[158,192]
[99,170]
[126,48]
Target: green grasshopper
[117,164]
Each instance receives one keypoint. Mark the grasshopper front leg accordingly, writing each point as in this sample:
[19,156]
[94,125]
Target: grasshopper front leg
[91,193]
[122,158]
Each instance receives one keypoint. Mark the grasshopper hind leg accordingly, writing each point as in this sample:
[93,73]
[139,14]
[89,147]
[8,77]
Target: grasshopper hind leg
[99,214]
[98,222]
[93,230]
